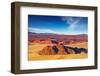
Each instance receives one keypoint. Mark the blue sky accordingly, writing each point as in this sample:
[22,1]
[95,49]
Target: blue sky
[57,24]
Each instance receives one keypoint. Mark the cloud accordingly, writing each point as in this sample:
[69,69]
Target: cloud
[72,21]
[38,30]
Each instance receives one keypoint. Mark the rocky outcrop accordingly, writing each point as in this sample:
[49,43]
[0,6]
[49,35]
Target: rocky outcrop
[61,50]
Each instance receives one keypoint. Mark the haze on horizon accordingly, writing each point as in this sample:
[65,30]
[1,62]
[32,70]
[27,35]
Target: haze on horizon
[67,25]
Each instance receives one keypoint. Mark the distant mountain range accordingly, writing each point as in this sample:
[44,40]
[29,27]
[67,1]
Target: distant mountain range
[65,38]
[52,33]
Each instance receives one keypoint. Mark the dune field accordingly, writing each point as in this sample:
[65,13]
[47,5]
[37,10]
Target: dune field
[34,48]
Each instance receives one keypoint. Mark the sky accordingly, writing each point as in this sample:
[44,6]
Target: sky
[57,24]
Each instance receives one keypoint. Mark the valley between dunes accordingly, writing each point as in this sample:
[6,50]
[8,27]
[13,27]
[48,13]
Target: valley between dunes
[34,48]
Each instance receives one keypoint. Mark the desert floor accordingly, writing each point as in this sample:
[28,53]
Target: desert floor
[34,48]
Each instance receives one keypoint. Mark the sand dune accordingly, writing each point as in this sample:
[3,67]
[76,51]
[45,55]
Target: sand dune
[35,48]
[79,45]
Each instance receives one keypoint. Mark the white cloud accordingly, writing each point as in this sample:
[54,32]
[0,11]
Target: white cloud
[37,30]
[72,22]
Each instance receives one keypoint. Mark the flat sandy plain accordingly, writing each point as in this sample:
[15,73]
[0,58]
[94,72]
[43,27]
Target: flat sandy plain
[33,50]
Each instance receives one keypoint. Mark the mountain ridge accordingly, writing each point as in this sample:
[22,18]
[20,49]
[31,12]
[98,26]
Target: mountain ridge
[54,33]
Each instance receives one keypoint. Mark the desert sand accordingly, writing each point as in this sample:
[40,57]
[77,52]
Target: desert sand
[33,54]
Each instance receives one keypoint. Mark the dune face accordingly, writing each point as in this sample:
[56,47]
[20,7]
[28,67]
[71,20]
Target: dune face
[61,50]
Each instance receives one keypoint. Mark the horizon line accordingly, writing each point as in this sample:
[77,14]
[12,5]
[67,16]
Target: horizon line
[61,34]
